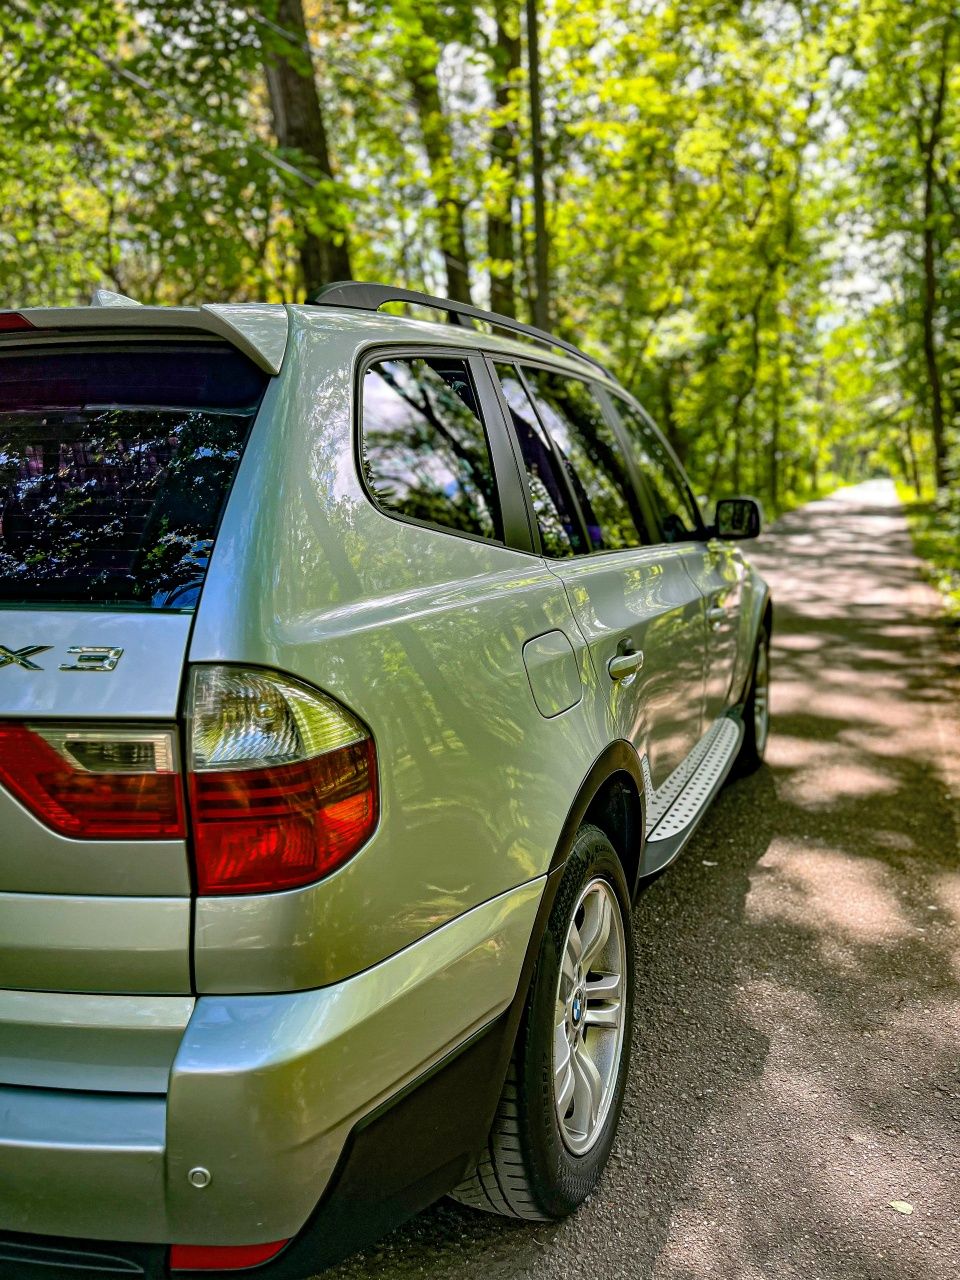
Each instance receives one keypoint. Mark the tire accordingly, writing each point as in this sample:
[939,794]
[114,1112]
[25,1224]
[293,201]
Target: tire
[537,1164]
[756,710]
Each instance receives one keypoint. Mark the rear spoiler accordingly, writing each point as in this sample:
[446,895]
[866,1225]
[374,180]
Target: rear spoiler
[258,329]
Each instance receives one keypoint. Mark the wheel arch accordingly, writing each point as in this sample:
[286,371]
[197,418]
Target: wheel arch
[760,614]
[611,796]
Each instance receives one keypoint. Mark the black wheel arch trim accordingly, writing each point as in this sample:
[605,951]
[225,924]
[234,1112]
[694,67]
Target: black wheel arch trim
[764,608]
[618,756]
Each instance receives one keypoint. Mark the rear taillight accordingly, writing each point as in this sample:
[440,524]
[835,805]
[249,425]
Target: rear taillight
[11,320]
[221,1257]
[110,783]
[282,781]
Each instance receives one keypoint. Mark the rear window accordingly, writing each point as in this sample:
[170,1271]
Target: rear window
[115,466]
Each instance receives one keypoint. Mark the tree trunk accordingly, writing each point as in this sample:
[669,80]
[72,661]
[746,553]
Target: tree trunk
[748,384]
[541,298]
[298,122]
[501,240]
[913,475]
[930,146]
[773,456]
[669,423]
[424,85]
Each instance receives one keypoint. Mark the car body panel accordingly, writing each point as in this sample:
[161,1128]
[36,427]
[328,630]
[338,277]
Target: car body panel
[142,684]
[37,860]
[756,603]
[258,329]
[718,570]
[420,633]
[555,675]
[68,1158]
[82,942]
[100,1043]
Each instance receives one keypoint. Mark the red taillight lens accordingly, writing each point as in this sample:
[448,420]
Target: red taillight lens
[102,783]
[11,320]
[283,781]
[215,1257]
[275,828]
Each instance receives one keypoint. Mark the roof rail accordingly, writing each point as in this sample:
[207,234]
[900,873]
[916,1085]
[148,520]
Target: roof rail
[371,297]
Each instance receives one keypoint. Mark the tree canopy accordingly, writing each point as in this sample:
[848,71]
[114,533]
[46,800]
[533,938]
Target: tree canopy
[751,208]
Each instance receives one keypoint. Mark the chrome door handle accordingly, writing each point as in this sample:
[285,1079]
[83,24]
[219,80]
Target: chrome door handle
[716,615]
[625,665]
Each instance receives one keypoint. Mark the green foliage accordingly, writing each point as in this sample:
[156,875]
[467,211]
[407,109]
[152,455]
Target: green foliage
[935,528]
[752,207]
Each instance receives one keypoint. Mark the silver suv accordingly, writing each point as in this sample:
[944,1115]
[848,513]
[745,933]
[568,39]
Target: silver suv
[355,673]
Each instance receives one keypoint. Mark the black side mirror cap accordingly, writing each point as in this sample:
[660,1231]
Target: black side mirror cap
[737,519]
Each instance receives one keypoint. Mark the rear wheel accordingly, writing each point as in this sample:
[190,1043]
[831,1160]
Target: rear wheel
[756,710]
[558,1114]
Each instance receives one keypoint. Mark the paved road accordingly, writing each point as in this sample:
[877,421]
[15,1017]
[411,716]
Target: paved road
[797,1061]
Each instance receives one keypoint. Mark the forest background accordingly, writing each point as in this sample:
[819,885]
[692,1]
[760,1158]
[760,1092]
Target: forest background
[750,210]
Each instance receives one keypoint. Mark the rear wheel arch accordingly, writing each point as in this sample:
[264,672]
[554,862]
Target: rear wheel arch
[611,797]
[617,809]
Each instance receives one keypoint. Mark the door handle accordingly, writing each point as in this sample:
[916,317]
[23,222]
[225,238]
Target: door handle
[716,615]
[625,665]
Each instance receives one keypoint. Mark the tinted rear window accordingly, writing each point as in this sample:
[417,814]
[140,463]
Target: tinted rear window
[115,466]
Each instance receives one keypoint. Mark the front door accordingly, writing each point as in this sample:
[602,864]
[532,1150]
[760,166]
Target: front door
[718,571]
[715,568]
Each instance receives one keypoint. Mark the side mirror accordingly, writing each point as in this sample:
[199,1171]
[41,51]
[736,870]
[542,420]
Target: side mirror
[737,519]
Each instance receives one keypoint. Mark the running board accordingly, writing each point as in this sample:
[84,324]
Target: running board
[677,807]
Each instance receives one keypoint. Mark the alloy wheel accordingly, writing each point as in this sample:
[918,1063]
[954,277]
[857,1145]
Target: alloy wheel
[589,1023]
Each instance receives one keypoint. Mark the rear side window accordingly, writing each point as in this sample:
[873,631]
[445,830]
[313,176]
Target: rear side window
[593,458]
[424,450]
[669,491]
[557,519]
[115,466]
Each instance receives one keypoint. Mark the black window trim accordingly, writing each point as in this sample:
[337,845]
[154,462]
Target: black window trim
[511,513]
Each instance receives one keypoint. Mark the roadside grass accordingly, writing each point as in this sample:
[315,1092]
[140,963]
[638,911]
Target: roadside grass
[935,528]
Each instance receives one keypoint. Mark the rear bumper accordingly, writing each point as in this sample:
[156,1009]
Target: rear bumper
[396,1161]
[63,1154]
[263,1094]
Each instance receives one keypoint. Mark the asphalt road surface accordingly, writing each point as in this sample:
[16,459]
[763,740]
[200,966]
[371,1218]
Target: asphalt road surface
[797,1048]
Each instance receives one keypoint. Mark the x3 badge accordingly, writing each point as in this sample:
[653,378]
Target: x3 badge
[21,657]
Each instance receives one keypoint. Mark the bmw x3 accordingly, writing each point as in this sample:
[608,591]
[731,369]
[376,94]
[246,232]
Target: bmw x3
[356,672]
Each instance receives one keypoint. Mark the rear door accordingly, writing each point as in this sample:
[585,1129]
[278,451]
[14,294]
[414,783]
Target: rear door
[116,459]
[717,568]
[637,607]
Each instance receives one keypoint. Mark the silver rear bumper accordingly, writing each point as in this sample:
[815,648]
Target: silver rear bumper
[68,1159]
[262,1094]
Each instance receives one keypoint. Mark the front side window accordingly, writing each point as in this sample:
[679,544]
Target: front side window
[669,491]
[593,459]
[424,450]
[115,466]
